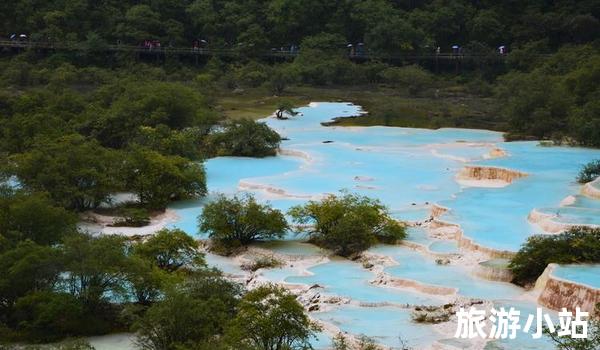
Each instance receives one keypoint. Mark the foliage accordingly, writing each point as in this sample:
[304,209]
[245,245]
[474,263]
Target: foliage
[34,217]
[157,179]
[347,224]
[186,143]
[262,262]
[575,246]
[49,316]
[280,77]
[75,172]
[124,109]
[339,342]
[414,77]
[258,25]
[170,250]
[591,342]
[94,268]
[366,343]
[556,100]
[270,318]
[285,107]
[241,220]
[244,138]
[27,267]
[146,281]
[589,172]
[132,217]
[194,312]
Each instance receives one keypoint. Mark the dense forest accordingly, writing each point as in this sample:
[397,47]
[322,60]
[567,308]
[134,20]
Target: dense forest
[383,25]
[78,126]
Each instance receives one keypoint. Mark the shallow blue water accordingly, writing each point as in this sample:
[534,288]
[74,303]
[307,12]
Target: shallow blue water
[574,215]
[446,247]
[584,274]
[415,266]
[386,325]
[349,279]
[408,170]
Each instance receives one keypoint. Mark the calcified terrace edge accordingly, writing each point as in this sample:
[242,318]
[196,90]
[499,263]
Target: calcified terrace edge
[436,228]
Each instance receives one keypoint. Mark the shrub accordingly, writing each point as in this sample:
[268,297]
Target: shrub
[577,245]
[252,74]
[269,317]
[170,250]
[347,224]
[262,262]
[132,217]
[236,221]
[589,172]
[192,314]
[157,179]
[415,78]
[244,138]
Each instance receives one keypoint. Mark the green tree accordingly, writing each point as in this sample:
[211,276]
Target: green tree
[589,172]
[157,179]
[95,268]
[193,314]
[281,76]
[575,246]
[244,138]
[535,104]
[270,318]
[170,250]
[77,173]
[140,23]
[35,217]
[241,220]
[284,107]
[186,143]
[347,224]
[393,36]
[28,267]
[147,281]
[126,107]
[414,77]
[487,27]
[49,316]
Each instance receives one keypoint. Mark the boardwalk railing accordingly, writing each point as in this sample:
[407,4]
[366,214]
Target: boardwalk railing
[235,52]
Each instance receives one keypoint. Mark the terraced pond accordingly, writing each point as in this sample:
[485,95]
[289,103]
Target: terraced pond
[409,170]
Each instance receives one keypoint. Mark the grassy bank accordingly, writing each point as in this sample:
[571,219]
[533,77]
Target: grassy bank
[449,107]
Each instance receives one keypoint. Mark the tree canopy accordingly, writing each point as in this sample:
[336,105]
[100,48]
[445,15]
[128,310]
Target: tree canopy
[241,220]
[347,224]
[575,246]
[244,138]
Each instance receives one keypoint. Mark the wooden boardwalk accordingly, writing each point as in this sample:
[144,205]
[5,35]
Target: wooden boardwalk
[203,52]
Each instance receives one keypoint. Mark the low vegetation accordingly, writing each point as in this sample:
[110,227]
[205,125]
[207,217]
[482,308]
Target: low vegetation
[432,314]
[340,342]
[589,172]
[262,262]
[132,217]
[575,246]
[347,224]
